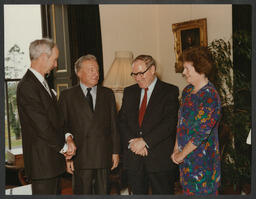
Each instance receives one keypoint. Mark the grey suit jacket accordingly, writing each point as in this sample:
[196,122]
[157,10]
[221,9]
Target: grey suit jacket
[95,133]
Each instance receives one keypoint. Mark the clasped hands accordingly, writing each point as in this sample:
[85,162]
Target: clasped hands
[138,146]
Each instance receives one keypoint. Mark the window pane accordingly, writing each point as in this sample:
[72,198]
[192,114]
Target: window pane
[22,24]
[6,123]
[13,116]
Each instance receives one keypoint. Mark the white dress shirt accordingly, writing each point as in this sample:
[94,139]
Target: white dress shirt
[93,93]
[149,92]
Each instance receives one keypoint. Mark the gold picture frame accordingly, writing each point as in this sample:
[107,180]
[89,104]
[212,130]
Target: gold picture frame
[61,87]
[188,34]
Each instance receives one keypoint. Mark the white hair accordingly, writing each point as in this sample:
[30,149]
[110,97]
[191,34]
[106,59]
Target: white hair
[82,59]
[41,46]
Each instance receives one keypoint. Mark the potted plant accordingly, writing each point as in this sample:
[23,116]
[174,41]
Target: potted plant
[234,90]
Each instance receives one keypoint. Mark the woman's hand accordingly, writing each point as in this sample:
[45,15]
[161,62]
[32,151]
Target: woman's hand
[181,155]
[178,157]
[172,157]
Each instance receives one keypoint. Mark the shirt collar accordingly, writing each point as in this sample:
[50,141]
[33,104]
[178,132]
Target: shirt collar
[37,74]
[84,88]
[152,85]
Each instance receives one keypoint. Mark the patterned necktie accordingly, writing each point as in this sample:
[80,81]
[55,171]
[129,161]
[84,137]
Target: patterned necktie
[47,87]
[89,98]
[143,107]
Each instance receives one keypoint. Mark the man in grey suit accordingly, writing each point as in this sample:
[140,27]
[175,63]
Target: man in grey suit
[89,111]
[42,135]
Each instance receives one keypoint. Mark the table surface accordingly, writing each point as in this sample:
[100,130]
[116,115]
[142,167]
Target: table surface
[22,190]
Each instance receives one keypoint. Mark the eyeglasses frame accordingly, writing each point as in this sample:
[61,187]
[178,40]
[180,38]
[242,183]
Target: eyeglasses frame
[140,73]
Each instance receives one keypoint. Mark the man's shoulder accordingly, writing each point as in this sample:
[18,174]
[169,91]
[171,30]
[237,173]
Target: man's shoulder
[70,91]
[105,89]
[27,82]
[168,85]
[131,87]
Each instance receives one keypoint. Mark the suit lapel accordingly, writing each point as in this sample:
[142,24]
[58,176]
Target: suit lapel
[82,101]
[38,83]
[154,99]
[98,108]
[98,98]
[53,96]
[137,95]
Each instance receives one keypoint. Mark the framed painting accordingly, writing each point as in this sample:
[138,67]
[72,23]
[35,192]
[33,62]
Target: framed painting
[186,35]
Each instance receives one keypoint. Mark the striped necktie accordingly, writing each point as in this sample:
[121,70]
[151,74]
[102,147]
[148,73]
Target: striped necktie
[47,87]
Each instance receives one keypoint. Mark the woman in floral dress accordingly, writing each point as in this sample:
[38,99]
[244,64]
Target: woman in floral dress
[197,147]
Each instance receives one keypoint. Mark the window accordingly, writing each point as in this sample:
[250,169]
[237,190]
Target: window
[22,24]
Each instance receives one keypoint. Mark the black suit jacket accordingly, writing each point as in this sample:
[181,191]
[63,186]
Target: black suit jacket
[95,133]
[158,127]
[42,136]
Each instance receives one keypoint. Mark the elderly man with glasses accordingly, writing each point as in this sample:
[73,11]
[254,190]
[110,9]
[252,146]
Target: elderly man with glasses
[147,123]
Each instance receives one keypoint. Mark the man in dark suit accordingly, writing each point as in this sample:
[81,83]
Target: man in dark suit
[42,138]
[147,121]
[89,111]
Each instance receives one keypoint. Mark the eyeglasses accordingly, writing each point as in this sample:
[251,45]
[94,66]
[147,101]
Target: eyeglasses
[140,73]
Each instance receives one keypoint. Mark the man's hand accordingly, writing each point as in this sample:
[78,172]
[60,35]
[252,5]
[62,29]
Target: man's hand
[143,152]
[70,166]
[115,160]
[71,148]
[136,145]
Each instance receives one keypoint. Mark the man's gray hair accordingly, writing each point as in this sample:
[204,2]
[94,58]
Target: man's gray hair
[147,59]
[41,46]
[82,59]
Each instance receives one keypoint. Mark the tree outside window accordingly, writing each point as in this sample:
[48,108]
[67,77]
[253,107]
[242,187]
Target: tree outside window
[17,17]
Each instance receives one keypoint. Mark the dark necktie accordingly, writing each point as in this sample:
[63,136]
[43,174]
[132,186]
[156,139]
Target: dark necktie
[89,98]
[143,107]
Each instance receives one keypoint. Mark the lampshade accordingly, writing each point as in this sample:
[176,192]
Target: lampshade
[118,76]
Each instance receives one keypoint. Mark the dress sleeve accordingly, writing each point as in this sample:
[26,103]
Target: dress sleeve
[206,117]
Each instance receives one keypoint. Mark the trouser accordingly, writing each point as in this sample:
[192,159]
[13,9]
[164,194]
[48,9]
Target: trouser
[160,182]
[46,186]
[90,181]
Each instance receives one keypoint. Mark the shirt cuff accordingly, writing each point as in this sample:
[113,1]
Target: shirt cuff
[64,149]
[68,134]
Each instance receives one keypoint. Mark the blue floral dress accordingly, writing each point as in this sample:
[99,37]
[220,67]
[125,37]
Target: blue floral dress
[198,120]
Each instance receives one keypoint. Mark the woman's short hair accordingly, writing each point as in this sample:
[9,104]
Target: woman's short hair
[41,46]
[147,59]
[82,59]
[201,59]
